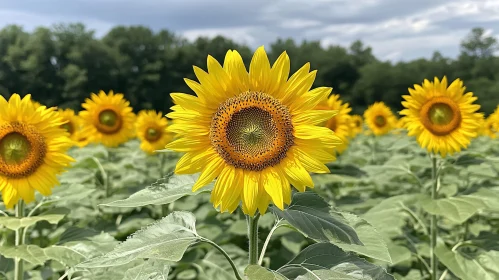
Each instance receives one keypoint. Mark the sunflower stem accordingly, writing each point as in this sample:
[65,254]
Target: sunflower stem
[433,225]
[18,262]
[266,243]
[253,238]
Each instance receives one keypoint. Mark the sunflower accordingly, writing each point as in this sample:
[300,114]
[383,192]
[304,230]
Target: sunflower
[32,149]
[257,132]
[151,130]
[490,126]
[72,124]
[356,124]
[442,118]
[379,118]
[107,119]
[339,123]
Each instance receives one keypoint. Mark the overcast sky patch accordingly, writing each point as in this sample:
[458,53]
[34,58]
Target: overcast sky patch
[395,29]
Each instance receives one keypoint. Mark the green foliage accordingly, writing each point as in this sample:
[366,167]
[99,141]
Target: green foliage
[61,65]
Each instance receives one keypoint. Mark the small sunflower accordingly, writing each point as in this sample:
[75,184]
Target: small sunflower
[151,130]
[490,126]
[339,123]
[72,124]
[443,119]
[356,124]
[258,132]
[107,119]
[32,149]
[379,118]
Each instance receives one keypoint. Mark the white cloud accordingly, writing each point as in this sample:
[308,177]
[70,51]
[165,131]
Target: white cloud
[242,35]
[395,29]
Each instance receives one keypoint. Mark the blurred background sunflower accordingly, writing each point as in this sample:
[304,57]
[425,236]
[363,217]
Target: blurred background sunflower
[443,118]
[379,118]
[151,130]
[339,123]
[107,119]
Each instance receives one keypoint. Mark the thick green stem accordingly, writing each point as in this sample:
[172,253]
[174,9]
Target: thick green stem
[433,225]
[18,263]
[253,238]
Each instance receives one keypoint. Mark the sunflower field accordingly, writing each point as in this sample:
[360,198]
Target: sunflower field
[254,175]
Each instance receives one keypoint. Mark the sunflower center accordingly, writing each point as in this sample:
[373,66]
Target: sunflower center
[380,121]
[152,134]
[440,115]
[109,122]
[68,127]
[14,148]
[252,131]
[357,123]
[108,118]
[22,150]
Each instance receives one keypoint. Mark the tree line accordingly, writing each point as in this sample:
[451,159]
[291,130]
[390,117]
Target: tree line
[61,65]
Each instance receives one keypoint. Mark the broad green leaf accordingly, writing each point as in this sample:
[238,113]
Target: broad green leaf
[76,234]
[389,216]
[481,266]
[469,159]
[67,192]
[166,239]
[164,191]
[52,216]
[323,274]
[326,256]
[374,245]
[457,208]
[149,270]
[256,272]
[310,214]
[38,256]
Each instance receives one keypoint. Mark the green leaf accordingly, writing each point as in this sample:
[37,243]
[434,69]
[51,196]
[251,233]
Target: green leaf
[458,209]
[481,266]
[469,159]
[164,191]
[310,214]
[67,192]
[52,216]
[374,245]
[149,270]
[216,265]
[76,234]
[256,272]
[38,256]
[326,256]
[167,239]
[323,274]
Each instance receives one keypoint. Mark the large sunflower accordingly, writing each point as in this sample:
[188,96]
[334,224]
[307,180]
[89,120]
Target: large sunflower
[151,130]
[339,123]
[257,132]
[379,118]
[107,119]
[72,124]
[442,118]
[32,149]
[356,124]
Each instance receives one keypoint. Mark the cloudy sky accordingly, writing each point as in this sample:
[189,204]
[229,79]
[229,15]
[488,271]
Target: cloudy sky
[396,29]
